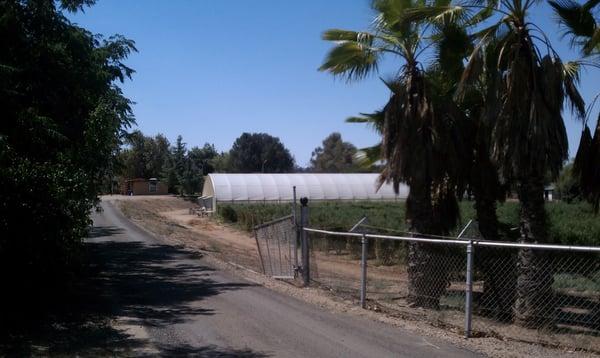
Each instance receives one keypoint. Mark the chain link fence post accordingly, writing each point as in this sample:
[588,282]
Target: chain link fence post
[296,227]
[363,273]
[469,289]
[305,243]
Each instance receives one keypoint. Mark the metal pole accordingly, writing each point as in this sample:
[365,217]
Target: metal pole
[358,224]
[469,289]
[262,263]
[297,237]
[464,229]
[363,273]
[305,244]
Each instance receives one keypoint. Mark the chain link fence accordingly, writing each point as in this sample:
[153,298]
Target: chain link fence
[277,247]
[544,294]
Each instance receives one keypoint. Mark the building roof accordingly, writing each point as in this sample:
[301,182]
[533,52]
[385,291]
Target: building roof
[278,187]
[141,180]
[136,180]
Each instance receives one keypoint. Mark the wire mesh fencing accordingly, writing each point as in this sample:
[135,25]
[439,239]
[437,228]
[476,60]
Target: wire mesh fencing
[338,265]
[538,295]
[535,293]
[277,249]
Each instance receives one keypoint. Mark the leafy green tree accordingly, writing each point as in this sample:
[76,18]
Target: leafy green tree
[222,163]
[184,169]
[63,120]
[144,157]
[260,153]
[419,144]
[198,164]
[567,186]
[334,156]
[204,157]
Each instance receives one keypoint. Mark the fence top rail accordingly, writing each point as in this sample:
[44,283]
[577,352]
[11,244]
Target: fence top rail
[537,246]
[461,241]
[373,236]
[275,221]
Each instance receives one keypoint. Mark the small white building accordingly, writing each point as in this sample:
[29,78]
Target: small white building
[549,192]
[240,188]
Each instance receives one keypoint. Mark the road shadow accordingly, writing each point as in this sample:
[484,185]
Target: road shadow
[139,283]
[209,351]
[104,231]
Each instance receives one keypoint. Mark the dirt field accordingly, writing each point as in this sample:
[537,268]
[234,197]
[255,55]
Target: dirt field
[338,274]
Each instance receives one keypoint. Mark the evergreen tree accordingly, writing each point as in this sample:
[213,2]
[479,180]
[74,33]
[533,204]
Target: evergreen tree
[334,156]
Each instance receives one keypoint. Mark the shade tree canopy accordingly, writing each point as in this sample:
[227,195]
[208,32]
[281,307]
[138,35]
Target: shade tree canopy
[333,156]
[259,153]
[63,117]
[144,156]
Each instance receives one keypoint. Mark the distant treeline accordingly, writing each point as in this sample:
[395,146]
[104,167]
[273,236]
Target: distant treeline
[183,169]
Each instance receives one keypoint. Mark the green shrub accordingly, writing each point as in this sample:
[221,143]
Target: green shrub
[229,214]
[577,282]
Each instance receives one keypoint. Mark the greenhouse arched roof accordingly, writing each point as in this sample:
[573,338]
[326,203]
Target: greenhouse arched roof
[279,187]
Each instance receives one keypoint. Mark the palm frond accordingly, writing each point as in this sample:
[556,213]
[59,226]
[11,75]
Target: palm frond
[589,5]
[571,72]
[352,60]
[577,20]
[472,71]
[368,157]
[452,45]
[347,35]
[375,120]
[593,43]
[358,119]
[394,85]
[481,15]
[437,14]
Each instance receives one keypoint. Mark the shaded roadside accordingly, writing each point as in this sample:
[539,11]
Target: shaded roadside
[126,284]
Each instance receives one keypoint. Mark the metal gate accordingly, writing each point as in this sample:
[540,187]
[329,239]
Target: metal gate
[276,243]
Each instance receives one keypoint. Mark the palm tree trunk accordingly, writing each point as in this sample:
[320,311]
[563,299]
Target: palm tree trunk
[496,264]
[427,275]
[533,303]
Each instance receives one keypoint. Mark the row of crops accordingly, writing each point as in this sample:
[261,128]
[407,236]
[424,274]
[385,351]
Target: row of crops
[569,223]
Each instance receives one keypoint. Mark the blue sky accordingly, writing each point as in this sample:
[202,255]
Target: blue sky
[210,70]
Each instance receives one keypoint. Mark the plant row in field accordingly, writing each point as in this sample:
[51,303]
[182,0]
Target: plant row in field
[570,223]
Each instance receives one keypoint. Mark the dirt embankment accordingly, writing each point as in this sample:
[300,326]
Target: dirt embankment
[170,218]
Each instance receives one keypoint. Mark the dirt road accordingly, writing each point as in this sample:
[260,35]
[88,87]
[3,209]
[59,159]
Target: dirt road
[169,301]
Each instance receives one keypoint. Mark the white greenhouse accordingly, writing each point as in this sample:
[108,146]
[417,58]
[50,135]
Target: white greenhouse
[239,188]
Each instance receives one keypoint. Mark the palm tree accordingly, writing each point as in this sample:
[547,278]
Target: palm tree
[528,134]
[581,26]
[482,179]
[484,183]
[419,132]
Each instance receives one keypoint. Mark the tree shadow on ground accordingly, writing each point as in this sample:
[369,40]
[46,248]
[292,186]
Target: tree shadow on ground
[209,351]
[138,283]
